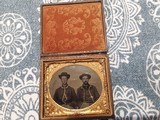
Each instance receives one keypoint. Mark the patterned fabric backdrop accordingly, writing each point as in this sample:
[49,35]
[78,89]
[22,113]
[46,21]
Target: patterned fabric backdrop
[133,33]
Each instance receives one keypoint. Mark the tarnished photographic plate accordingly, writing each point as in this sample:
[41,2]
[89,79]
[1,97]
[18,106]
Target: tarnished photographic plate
[95,67]
[71,28]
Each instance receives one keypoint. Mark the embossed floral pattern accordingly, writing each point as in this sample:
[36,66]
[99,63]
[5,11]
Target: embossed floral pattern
[75,43]
[20,95]
[131,104]
[153,68]
[15,39]
[97,28]
[74,26]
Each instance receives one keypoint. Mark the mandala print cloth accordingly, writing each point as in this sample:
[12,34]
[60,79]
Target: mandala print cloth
[133,35]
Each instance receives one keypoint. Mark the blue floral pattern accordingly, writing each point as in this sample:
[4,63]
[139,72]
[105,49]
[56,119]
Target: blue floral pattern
[15,39]
[20,95]
[134,52]
[153,68]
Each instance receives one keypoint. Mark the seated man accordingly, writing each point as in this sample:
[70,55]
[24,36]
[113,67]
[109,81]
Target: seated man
[86,94]
[65,95]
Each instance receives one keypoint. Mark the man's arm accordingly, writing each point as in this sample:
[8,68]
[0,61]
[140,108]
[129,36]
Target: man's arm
[79,97]
[74,99]
[56,96]
[74,96]
[96,94]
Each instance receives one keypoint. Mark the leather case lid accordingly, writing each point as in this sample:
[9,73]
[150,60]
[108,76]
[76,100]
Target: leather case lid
[72,28]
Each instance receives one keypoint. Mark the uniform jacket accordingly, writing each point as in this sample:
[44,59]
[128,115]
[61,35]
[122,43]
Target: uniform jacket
[66,95]
[87,94]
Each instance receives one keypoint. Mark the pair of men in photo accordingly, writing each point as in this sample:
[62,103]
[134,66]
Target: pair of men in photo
[86,94]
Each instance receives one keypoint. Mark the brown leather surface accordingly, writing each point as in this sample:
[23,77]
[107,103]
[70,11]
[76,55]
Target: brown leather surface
[72,28]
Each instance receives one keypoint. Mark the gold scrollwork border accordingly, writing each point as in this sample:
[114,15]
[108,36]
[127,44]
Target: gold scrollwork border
[103,106]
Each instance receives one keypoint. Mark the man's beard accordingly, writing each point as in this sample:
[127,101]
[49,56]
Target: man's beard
[85,82]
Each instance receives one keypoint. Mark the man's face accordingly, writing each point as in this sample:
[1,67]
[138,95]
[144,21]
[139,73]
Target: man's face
[85,79]
[64,79]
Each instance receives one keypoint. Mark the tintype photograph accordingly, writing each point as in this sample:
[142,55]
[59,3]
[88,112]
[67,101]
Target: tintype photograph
[75,87]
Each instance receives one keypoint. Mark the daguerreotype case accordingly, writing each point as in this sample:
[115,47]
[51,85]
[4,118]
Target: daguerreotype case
[75,75]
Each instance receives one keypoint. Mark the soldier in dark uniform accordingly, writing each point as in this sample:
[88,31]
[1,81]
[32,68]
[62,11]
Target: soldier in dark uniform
[65,95]
[86,94]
